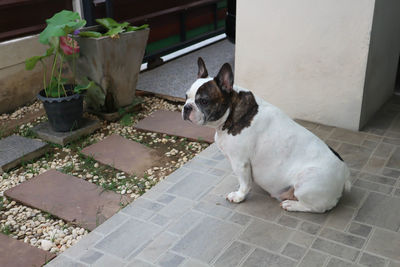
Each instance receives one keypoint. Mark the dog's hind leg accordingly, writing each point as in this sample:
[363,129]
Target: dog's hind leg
[294,205]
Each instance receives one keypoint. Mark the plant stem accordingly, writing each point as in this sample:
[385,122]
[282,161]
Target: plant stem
[59,74]
[73,60]
[54,66]
[44,78]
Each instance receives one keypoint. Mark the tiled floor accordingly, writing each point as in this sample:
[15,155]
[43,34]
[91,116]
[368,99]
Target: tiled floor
[186,221]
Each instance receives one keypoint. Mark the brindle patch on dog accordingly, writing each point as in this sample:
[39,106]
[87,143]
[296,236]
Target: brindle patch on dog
[243,108]
[212,101]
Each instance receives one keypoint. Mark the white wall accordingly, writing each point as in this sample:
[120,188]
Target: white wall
[383,57]
[307,57]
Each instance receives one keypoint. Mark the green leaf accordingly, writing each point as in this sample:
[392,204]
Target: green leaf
[134,28]
[90,34]
[61,24]
[108,23]
[80,88]
[30,63]
[114,31]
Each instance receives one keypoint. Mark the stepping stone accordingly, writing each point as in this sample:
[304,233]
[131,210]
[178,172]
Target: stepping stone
[171,123]
[69,198]
[17,253]
[45,132]
[123,154]
[14,149]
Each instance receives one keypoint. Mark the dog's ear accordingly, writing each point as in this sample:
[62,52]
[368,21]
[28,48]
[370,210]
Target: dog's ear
[224,78]
[202,72]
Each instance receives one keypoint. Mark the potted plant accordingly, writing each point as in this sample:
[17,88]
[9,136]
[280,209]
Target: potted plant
[63,101]
[111,54]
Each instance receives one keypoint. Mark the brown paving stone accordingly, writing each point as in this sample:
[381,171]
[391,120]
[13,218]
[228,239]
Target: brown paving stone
[68,198]
[123,154]
[15,253]
[171,123]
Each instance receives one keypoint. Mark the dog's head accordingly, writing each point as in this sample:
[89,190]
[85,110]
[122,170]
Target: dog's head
[208,99]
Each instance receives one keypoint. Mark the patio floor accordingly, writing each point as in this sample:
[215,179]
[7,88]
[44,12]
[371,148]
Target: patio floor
[186,221]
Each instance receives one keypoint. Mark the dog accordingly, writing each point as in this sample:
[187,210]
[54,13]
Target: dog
[265,146]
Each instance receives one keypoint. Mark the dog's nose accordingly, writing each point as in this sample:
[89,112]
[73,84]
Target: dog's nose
[186,111]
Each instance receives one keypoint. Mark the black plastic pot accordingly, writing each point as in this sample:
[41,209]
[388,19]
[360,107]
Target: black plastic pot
[64,113]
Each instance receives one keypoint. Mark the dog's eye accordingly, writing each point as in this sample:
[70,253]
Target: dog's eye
[185,97]
[203,101]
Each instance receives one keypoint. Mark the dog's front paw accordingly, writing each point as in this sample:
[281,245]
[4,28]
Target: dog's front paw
[235,197]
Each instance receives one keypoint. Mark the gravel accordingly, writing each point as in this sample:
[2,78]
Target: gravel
[55,235]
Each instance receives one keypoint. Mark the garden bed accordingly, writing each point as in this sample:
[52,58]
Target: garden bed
[32,226]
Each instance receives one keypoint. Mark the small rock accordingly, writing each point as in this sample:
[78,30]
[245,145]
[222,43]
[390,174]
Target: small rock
[45,244]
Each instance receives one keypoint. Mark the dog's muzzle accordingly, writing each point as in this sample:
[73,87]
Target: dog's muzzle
[186,111]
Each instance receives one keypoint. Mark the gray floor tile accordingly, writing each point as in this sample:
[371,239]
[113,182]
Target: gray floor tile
[288,221]
[239,218]
[355,156]
[111,224]
[233,255]
[207,239]
[261,206]
[91,256]
[380,210]
[157,247]
[372,261]
[302,239]
[193,185]
[394,160]
[313,259]
[377,179]
[339,217]
[383,150]
[381,188]
[385,243]
[214,210]
[119,242]
[262,258]
[186,222]
[340,237]
[310,228]
[177,208]
[360,229]
[335,249]
[139,263]
[334,262]
[354,198]
[267,235]
[293,251]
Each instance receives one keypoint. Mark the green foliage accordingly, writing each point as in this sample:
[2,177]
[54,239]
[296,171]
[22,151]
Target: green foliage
[113,28]
[61,24]
[6,230]
[90,34]
[126,120]
[30,63]
[80,88]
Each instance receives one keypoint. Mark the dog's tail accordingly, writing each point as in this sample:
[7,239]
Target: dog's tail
[347,183]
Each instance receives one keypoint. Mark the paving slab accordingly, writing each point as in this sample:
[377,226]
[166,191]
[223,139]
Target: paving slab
[15,149]
[171,123]
[123,154]
[69,198]
[16,253]
[45,132]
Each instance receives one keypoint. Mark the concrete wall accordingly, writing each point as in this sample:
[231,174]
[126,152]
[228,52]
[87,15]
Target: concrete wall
[383,57]
[17,85]
[307,57]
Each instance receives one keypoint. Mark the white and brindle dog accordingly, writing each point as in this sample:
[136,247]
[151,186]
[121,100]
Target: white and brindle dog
[265,146]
